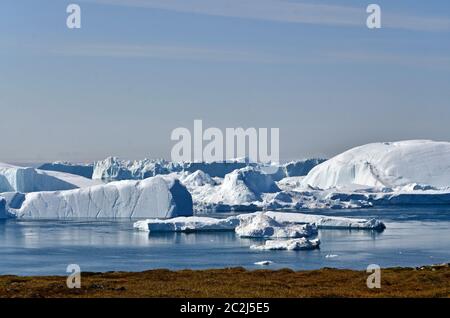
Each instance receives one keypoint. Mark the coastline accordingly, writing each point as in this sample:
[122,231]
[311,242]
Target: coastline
[424,281]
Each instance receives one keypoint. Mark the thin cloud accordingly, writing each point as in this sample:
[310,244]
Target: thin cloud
[203,54]
[287,11]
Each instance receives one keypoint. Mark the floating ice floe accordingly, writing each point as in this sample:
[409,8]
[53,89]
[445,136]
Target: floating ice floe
[264,263]
[152,197]
[326,222]
[290,245]
[187,224]
[22,179]
[263,226]
[281,223]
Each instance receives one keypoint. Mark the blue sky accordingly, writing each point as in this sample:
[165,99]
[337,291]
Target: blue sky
[137,69]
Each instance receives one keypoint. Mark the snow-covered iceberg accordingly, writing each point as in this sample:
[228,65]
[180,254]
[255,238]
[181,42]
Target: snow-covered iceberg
[84,170]
[23,179]
[386,165]
[152,197]
[290,245]
[263,226]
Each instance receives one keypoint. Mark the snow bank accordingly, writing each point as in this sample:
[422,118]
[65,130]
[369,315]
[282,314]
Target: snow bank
[390,164]
[21,179]
[290,245]
[84,170]
[152,197]
[263,226]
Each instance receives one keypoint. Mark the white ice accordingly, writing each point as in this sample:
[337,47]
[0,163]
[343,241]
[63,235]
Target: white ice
[262,225]
[152,197]
[290,245]
[22,179]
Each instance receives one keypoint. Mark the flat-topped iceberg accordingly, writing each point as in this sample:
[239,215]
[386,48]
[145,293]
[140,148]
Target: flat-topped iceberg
[187,224]
[251,222]
[290,245]
[327,222]
[152,197]
[23,179]
[262,225]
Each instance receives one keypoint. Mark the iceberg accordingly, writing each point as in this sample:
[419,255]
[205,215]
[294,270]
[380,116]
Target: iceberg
[263,226]
[263,263]
[301,168]
[290,245]
[386,165]
[278,219]
[23,179]
[83,170]
[327,222]
[152,197]
[187,224]
[113,168]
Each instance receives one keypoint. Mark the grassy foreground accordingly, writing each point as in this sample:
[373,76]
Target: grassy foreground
[430,281]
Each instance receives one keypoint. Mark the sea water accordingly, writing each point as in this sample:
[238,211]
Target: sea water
[414,236]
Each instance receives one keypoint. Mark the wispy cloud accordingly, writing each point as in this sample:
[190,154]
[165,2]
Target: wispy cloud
[155,51]
[205,54]
[287,11]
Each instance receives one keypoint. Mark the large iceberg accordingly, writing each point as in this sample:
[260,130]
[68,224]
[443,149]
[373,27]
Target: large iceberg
[386,165]
[152,197]
[84,170]
[23,179]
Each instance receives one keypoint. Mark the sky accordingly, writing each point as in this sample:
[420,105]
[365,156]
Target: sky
[137,69]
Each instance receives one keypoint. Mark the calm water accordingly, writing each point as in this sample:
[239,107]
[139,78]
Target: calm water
[414,236]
